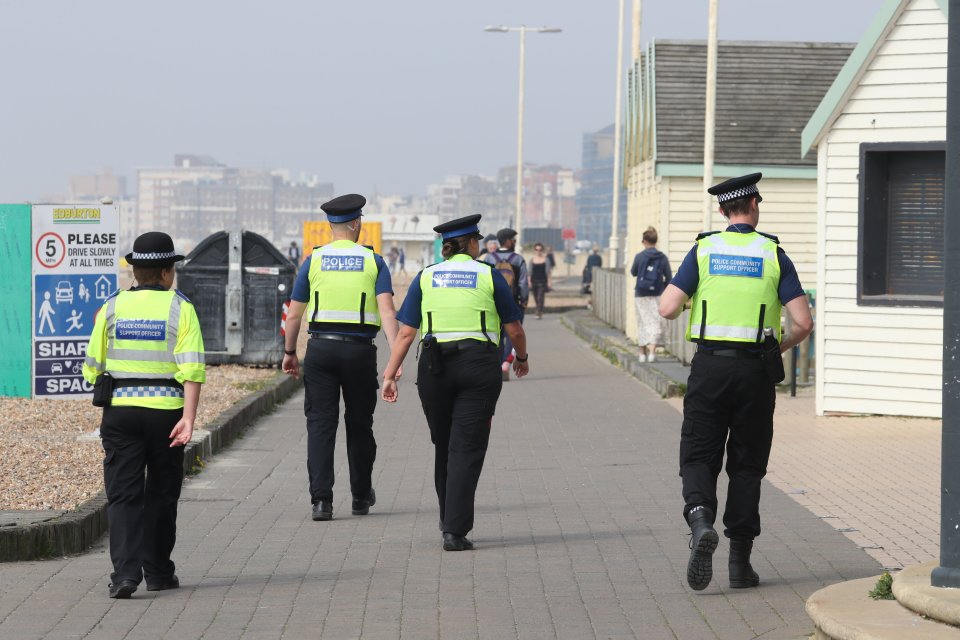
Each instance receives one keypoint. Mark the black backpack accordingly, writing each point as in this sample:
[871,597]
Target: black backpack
[648,278]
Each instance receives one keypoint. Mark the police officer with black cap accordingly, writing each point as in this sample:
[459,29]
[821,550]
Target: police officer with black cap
[738,280]
[459,306]
[146,362]
[347,294]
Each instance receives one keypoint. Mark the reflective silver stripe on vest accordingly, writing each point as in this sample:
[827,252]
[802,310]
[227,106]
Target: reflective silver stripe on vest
[143,355]
[460,335]
[173,323]
[460,265]
[111,321]
[755,249]
[140,374]
[158,391]
[714,331]
[335,315]
[189,357]
[93,363]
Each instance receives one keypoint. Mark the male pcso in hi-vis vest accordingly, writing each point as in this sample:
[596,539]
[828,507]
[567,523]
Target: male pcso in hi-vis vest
[738,281]
[347,294]
[146,362]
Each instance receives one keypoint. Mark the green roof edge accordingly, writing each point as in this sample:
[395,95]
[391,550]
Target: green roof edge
[850,73]
[695,170]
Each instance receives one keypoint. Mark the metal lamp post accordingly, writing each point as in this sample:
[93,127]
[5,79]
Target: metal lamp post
[522,29]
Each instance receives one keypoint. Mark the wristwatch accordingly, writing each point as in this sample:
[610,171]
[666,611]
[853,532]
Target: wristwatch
[523,359]
[290,353]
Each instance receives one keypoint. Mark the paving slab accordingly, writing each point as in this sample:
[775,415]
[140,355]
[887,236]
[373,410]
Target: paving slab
[579,534]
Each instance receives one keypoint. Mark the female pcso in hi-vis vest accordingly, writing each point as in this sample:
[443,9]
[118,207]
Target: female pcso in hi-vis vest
[459,306]
[146,362]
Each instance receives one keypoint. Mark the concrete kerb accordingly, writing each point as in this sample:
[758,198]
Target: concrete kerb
[612,344]
[77,530]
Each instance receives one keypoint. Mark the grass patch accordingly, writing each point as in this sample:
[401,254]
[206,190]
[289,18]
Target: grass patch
[252,386]
[884,588]
[196,467]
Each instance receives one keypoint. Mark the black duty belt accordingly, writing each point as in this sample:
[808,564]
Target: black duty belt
[731,353]
[458,346]
[341,337]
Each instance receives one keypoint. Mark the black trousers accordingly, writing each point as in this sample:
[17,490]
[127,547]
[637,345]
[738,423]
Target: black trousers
[332,366]
[459,403]
[729,401]
[142,511]
[539,292]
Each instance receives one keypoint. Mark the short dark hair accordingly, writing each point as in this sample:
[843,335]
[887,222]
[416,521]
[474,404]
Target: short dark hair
[739,206]
[538,244]
[650,235]
[149,275]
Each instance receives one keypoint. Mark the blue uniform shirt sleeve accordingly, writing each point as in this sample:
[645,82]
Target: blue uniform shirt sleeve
[301,286]
[688,275]
[384,279]
[790,287]
[409,313]
[507,309]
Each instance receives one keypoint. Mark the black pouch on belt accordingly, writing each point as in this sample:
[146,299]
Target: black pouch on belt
[103,390]
[772,358]
[431,351]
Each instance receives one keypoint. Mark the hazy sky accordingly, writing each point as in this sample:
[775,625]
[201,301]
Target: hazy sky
[391,94]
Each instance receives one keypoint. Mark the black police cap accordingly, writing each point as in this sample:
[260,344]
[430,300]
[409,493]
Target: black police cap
[467,225]
[734,188]
[344,208]
[153,249]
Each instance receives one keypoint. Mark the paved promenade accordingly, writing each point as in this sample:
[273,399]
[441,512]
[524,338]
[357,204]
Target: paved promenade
[579,535]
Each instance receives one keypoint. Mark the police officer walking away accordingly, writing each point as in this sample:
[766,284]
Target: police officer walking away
[739,280]
[459,306]
[146,361]
[347,293]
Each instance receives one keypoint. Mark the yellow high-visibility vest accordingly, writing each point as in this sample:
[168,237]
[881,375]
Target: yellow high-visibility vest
[458,301]
[343,285]
[149,335]
[738,293]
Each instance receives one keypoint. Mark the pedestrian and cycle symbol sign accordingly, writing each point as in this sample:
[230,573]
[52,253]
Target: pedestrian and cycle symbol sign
[65,305]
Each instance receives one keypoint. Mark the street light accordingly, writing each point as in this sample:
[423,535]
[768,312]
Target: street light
[522,29]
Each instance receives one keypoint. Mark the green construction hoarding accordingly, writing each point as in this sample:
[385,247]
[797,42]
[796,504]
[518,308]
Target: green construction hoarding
[16,331]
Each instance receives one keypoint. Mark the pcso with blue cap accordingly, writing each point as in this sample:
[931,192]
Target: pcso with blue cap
[346,293]
[458,305]
[146,362]
[737,280]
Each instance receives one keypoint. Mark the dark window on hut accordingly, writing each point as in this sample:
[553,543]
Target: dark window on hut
[900,244]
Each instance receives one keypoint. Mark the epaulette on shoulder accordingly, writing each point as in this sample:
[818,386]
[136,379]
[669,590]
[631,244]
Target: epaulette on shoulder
[484,263]
[180,293]
[770,235]
[700,236]
[369,246]
[114,294]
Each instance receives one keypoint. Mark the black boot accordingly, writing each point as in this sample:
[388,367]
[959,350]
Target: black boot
[703,542]
[742,574]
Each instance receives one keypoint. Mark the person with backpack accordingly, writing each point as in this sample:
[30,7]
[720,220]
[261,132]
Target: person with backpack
[513,268]
[651,268]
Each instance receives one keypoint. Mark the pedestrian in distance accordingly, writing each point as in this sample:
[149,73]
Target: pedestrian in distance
[346,291]
[458,306]
[593,260]
[513,268]
[540,277]
[490,245]
[145,359]
[738,281]
[651,268]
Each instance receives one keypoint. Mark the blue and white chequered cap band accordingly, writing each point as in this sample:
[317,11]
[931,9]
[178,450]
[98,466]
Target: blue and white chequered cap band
[742,192]
[153,256]
[148,392]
